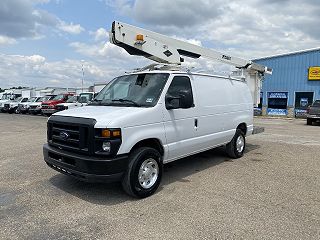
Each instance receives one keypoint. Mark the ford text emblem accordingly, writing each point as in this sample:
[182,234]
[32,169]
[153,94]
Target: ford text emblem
[64,135]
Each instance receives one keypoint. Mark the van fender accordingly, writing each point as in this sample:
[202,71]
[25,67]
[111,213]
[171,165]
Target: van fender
[133,135]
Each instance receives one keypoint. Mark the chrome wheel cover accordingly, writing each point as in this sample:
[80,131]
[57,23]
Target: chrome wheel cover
[148,173]
[240,144]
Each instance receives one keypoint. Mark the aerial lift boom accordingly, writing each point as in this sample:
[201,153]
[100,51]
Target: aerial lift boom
[167,50]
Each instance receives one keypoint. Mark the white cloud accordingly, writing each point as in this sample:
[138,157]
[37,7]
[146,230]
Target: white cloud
[22,19]
[108,53]
[70,28]
[100,34]
[4,40]
[36,71]
[256,28]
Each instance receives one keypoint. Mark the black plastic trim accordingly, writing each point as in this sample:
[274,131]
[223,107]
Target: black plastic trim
[86,168]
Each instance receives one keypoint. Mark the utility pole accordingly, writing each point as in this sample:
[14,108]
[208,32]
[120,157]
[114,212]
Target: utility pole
[82,61]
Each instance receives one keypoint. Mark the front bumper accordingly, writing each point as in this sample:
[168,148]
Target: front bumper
[315,117]
[49,110]
[85,168]
[34,110]
[23,109]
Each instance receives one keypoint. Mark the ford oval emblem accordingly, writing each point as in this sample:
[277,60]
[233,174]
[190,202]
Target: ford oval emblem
[64,135]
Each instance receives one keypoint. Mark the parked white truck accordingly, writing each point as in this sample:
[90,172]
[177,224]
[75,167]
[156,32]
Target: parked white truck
[12,105]
[145,119]
[76,101]
[24,106]
[7,97]
[35,107]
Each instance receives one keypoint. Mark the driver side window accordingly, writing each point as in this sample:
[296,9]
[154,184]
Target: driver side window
[180,84]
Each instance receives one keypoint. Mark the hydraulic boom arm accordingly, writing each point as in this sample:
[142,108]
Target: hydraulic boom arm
[163,49]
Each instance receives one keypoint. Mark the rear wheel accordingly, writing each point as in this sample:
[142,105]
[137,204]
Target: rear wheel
[309,121]
[236,147]
[144,172]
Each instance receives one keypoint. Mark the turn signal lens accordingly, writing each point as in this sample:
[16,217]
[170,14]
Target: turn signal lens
[106,133]
[116,133]
[139,37]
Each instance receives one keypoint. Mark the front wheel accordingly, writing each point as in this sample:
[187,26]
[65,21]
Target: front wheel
[144,172]
[236,147]
[309,121]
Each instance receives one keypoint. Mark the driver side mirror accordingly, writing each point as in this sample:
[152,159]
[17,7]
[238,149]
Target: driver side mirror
[182,99]
[172,102]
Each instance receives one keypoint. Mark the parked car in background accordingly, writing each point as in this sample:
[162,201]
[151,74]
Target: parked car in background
[35,107]
[86,98]
[24,106]
[76,101]
[12,105]
[49,107]
[68,104]
[7,97]
[313,112]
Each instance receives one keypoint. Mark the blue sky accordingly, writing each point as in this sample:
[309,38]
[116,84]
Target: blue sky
[45,42]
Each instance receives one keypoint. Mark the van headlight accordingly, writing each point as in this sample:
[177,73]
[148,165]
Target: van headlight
[107,141]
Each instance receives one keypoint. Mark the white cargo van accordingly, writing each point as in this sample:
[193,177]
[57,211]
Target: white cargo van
[142,120]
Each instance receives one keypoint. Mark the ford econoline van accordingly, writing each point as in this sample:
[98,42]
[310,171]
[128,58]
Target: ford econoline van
[143,120]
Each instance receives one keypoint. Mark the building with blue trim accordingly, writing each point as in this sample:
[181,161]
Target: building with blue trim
[293,85]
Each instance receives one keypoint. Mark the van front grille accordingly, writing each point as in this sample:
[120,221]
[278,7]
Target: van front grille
[69,134]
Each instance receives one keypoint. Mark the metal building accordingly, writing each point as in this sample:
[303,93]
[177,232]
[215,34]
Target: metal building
[294,84]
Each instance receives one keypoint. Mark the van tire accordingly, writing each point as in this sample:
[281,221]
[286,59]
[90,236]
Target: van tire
[231,148]
[137,159]
[309,121]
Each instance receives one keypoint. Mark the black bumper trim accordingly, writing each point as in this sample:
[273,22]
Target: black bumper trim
[85,168]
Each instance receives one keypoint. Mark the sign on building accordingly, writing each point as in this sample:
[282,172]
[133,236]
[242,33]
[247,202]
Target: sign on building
[314,74]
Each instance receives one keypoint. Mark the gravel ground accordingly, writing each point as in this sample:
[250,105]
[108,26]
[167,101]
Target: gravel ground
[273,192]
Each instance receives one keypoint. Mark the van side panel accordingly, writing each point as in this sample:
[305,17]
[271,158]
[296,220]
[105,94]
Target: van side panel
[179,128]
[222,104]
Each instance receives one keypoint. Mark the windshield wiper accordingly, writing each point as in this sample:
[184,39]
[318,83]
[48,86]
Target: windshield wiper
[126,100]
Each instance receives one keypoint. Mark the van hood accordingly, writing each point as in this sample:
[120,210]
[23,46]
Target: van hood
[111,116]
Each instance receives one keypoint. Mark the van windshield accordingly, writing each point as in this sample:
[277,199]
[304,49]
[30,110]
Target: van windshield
[137,90]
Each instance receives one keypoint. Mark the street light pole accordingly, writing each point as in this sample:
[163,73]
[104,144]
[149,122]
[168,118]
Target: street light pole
[82,61]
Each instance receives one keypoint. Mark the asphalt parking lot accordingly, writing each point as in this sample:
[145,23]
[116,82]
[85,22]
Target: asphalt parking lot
[273,192]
